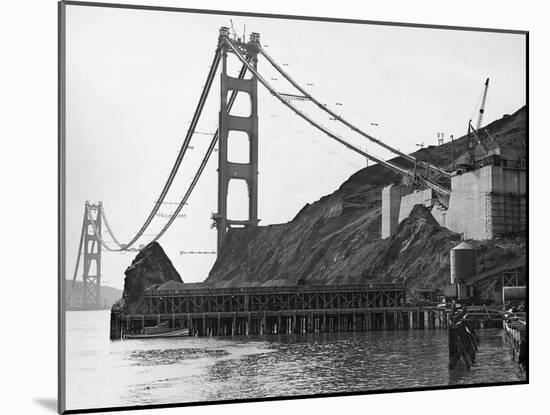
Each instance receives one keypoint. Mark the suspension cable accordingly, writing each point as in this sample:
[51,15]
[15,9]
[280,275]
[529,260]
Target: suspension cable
[97,234]
[317,125]
[190,189]
[190,132]
[209,152]
[106,222]
[441,190]
[176,166]
[79,252]
[341,119]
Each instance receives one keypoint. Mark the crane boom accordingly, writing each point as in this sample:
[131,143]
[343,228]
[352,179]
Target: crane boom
[482,107]
[478,139]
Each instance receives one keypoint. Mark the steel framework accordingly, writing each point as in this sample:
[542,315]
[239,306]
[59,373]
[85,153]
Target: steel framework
[228,170]
[270,299]
[91,274]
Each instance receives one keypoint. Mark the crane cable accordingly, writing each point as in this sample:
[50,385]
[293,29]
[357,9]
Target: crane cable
[176,166]
[341,119]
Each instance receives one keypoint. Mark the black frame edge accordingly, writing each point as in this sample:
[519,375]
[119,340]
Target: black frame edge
[61,203]
[288,16]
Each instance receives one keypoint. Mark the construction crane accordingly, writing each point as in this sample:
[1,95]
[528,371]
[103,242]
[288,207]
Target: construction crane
[473,133]
[478,138]
[482,106]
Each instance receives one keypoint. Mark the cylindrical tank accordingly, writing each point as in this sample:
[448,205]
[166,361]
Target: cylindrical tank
[463,263]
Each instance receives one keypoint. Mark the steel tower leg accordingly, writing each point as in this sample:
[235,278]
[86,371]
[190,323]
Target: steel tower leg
[237,171]
[91,278]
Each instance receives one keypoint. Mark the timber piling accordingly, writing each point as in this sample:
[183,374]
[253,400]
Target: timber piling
[278,310]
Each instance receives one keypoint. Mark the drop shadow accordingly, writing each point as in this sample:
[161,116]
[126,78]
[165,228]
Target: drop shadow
[48,403]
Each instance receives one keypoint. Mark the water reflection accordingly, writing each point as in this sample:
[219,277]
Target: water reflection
[102,373]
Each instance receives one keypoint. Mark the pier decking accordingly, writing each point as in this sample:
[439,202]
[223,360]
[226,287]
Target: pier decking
[276,310]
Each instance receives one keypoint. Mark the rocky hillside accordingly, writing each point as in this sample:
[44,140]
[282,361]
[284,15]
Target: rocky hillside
[337,238]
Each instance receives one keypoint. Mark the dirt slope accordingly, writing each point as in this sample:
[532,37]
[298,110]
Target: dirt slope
[337,238]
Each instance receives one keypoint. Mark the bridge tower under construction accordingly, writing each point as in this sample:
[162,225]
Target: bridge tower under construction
[228,170]
[91,277]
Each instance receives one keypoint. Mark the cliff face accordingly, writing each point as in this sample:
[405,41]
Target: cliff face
[337,239]
[150,266]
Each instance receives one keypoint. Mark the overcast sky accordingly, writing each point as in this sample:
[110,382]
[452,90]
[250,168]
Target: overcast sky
[134,78]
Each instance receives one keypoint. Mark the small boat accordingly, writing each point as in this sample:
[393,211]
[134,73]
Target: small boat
[160,331]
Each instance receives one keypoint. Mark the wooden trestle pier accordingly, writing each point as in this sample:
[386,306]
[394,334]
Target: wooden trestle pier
[277,310]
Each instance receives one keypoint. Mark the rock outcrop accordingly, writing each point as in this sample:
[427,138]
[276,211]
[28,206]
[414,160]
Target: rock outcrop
[150,267]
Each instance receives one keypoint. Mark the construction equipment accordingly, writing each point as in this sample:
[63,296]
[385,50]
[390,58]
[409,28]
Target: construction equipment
[478,138]
[482,106]
[473,133]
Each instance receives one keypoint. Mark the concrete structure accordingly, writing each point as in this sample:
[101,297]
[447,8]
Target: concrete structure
[484,203]
[391,205]
[440,215]
[488,202]
[409,201]
[397,204]
[391,200]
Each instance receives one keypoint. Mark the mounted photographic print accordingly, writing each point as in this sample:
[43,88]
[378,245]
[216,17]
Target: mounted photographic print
[259,207]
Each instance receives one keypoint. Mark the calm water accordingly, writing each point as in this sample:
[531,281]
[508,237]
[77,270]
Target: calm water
[102,373]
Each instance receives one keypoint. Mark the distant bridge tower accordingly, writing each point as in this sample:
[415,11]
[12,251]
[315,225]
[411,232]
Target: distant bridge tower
[237,171]
[91,277]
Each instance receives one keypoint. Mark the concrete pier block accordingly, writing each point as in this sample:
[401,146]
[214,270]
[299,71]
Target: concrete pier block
[391,202]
